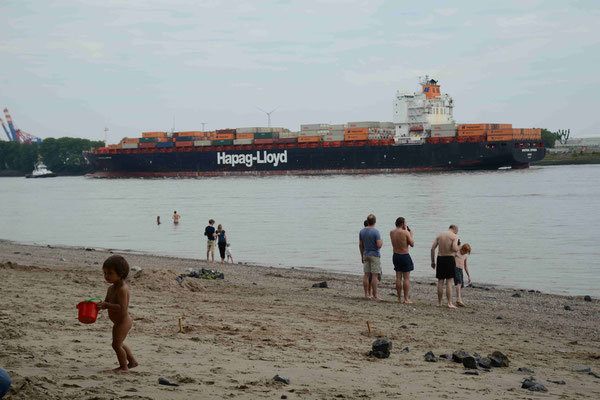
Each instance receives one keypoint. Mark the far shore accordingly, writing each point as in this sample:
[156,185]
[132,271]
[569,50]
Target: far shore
[257,322]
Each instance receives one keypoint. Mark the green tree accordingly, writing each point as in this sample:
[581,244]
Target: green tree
[549,138]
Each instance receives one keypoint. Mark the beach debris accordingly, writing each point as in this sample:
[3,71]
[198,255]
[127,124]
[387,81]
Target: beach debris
[181,325]
[469,362]
[135,268]
[568,308]
[557,382]
[594,374]
[281,378]
[200,274]
[587,298]
[499,317]
[498,359]
[430,357]
[405,350]
[62,259]
[459,355]
[16,252]
[445,356]
[582,368]
[525,370]
[393,294]
[320,284]
[404,327]
[381,348]
[516,295]
[283,396]
[532,384]
[89,249]
[163,381]
[369,328]
[471,372]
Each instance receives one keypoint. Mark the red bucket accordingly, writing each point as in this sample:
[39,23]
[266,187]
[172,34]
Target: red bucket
[88,311]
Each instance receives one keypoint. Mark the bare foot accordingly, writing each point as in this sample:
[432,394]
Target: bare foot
[460,304]
[440,305]
[378,298]
[406,301]
[451,306]
[132,364]
[400,301]
[121,370]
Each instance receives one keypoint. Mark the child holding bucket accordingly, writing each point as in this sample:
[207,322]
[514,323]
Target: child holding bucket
[115,270]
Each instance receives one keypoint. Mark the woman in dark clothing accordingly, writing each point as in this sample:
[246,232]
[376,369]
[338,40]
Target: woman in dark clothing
[221,241]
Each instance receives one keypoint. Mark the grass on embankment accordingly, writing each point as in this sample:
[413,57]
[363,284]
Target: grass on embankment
[570,158]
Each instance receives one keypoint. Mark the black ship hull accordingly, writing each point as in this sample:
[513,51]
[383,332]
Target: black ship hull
[322,158]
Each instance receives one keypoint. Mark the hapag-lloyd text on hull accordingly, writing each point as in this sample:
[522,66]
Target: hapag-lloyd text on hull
[261,157]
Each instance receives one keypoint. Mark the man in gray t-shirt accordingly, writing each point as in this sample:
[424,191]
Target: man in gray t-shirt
[369,243]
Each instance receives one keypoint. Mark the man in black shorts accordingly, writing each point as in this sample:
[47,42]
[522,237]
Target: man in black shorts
[444,270]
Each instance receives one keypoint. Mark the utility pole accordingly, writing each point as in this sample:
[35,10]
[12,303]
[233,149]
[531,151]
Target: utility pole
[203,123]
[106,136]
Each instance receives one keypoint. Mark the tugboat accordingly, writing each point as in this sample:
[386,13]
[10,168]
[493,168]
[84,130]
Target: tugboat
[41,171]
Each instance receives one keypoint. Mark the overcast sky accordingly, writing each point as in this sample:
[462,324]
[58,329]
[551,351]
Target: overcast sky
[70,68]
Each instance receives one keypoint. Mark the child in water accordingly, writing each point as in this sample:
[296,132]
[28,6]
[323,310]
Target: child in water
[115,270]
[228,253]
[461,263]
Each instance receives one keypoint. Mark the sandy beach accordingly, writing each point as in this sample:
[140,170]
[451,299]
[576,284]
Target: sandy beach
[258,322]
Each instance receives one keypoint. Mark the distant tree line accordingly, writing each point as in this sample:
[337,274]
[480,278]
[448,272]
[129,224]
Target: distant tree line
[63,156]
[549,138]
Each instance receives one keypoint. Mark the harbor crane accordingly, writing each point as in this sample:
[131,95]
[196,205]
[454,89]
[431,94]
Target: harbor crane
[15,134]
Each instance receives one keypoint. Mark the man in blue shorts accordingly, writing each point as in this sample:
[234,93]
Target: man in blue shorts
[401,238]
[369,243]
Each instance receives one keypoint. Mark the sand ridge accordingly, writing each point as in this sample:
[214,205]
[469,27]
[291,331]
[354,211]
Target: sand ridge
[258,322]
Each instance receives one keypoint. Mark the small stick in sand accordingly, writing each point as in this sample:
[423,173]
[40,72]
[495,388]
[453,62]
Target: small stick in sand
[369,328]
[180,324]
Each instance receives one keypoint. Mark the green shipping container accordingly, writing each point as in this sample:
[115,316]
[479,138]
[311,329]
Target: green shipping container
[222,142]
[148,140]
[263,135]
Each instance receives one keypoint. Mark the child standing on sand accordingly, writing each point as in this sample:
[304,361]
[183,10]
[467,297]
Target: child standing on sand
[115,270]
[228,253]
[461,263]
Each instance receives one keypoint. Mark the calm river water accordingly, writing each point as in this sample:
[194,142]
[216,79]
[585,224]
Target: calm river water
[536,228]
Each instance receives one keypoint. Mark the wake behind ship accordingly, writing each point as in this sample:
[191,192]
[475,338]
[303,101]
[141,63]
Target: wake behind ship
[422,137]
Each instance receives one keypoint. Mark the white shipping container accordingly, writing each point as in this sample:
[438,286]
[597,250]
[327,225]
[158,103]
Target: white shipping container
[336,127]
[243,141]
[129,146]
[202,142]
[336,132]
[443,127]
[253,129]
[333,138]
[387,125]
[321,132]
[443,133]
[287,135]
[309,127]
[363,124]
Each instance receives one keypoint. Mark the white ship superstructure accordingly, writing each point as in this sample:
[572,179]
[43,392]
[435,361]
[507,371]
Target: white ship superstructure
[422,114]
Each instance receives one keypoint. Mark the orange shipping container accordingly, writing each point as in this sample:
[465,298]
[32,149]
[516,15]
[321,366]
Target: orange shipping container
[154,134]
[473,132]
[185,143]
[499,138]
[309,139]
[464,127]
[164,139]
[131,140]
[114,146]
[244,135]
[356,136]
[224,136]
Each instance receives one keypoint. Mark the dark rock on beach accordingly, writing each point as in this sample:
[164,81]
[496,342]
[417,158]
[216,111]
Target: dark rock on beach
[469,362]
[430,357]
[471,372]
[582,368]
[280,378]
[381,348]
[405,350]
[445,357]
[459,355]
[320,285]
[498,359]
[484,362]
[557,382]
[516,295]
[525,370]
[163,381]
[533,385]
[568,308]
[587,298]
[594,374]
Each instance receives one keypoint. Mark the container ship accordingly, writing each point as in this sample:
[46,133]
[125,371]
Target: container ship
[422,137]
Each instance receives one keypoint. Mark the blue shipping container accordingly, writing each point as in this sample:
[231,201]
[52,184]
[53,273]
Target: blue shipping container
[164,144]
[185,139]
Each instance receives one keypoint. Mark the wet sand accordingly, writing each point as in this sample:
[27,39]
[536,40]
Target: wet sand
[258,322]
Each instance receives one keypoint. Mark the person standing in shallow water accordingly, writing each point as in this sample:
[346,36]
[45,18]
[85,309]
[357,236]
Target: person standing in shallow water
[401,238]
[369,243]
[444,268]
[176,217]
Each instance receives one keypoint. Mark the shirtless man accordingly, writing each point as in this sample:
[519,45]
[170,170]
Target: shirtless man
[176,217]
[401,238]
[448,246]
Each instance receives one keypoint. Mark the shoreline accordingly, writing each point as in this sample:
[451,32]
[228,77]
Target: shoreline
[260,321]
[424,279]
